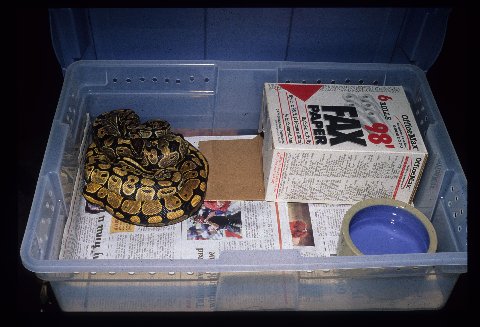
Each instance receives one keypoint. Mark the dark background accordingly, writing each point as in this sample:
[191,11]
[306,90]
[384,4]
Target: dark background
[39,81]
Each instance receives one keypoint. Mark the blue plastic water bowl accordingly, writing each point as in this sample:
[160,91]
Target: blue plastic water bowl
[385,226]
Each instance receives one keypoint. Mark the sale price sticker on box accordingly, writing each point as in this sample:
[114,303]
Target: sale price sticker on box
[335,143]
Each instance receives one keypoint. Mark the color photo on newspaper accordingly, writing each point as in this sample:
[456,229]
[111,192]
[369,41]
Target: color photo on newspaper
[216,220]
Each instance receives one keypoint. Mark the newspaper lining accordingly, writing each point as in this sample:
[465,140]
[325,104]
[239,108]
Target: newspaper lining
[92,233]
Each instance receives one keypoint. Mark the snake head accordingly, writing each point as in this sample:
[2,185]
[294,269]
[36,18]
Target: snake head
[158,127]
[152,129]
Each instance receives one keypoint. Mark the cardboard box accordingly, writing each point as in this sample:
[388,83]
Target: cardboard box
[335,143]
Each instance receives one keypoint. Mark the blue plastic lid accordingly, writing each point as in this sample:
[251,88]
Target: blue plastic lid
[369,35]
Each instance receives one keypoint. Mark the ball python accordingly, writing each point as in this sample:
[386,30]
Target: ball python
[143,174]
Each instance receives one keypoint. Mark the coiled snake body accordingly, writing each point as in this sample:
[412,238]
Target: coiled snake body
[143,174]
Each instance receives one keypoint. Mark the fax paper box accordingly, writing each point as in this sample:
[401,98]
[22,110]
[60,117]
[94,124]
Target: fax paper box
[334,143]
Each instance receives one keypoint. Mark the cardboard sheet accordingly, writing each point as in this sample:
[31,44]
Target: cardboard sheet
[236,171]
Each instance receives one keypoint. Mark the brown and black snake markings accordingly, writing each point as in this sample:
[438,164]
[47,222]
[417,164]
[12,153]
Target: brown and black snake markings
[143,174]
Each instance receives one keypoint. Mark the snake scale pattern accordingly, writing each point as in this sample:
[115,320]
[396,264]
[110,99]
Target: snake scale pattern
[143,174]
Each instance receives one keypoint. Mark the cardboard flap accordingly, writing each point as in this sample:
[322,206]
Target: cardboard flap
[236,171]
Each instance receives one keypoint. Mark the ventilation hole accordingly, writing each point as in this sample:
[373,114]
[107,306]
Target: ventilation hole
[111,273]
[93,272]
[287,81]
[414,268]
[207,79]
[319,81]
[128,80]
[347,81]
[332,81]
[152,273]
[398,269]
[142,79]
[426,118]
[456,198]
[375,82]
[192,78]
[360,81]
[177,81]
[189,272]
[459,228]
[461,211]
[47,205]
[131,273]
[114,80]
[304,82]
[154,79]
[452,188]
[167,80]
[449,203]
[454,214]
[171,273]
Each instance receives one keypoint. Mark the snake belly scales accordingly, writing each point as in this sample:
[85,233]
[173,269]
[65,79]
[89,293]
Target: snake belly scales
[143,174]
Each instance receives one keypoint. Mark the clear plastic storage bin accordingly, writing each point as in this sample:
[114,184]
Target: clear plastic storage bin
[211,98]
